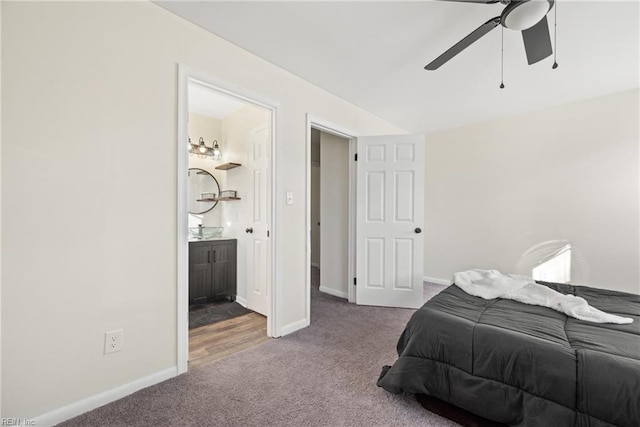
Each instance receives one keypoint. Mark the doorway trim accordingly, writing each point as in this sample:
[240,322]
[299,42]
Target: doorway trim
[185,77]
[343,132]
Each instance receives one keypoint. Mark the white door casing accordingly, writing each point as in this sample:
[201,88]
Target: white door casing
[390,215]
[187,76]
[258,227]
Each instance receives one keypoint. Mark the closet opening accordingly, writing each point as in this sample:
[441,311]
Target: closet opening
[331,214]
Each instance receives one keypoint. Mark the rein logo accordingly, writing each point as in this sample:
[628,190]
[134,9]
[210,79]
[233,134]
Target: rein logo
[17,422]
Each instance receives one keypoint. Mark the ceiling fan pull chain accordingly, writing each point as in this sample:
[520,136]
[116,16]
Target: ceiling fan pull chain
[502,57]
[555,30]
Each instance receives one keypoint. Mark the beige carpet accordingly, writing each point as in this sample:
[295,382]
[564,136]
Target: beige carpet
[323,375]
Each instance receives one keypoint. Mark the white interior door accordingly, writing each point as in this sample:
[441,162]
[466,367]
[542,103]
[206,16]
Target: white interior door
[390,216]
[257,229]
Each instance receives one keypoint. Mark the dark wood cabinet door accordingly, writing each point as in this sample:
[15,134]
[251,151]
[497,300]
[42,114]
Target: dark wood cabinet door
[212,270]
[200,273]
[224,269]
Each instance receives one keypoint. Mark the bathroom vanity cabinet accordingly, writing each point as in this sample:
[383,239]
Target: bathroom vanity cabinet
[212,270]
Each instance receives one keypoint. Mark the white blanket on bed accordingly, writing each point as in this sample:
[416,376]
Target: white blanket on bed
[489,284]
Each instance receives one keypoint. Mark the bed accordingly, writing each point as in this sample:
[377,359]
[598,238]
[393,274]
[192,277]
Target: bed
[523,365]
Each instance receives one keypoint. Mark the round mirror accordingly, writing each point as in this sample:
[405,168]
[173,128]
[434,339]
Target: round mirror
[204,191]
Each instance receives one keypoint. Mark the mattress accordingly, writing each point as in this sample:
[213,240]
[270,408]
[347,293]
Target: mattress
[523,365]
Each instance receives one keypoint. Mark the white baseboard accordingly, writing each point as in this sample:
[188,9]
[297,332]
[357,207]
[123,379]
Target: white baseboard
[334,292]
[77,408]
[292,327]
[437,281]
[315,264]
[241,301]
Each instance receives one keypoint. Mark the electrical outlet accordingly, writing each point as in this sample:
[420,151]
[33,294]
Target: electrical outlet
[113,341]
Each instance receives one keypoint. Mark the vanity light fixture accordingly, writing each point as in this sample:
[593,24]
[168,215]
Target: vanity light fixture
[217,154]
[201,150]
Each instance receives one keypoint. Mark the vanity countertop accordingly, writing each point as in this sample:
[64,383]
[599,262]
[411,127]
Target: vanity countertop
[193,239]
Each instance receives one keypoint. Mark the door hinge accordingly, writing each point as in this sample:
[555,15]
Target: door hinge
[355,157]
[355,282]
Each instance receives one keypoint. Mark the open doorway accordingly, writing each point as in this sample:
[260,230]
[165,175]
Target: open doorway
[225,250]
[331,211]
[385,240]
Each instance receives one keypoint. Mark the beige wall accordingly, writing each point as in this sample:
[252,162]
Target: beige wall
[91,129]
[498,192]
[206,127]
[334,215]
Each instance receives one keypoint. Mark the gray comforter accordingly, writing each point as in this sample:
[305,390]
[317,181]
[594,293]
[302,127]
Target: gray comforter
[524,365]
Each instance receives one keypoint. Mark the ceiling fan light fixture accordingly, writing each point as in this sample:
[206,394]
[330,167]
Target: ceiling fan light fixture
[521,15]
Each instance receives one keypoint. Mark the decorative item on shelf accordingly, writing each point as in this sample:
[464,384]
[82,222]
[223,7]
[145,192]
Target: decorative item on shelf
[202,150]
[229,193]
[208,196]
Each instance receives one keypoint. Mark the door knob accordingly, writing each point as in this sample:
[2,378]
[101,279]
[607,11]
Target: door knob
[418,230]
[249,230]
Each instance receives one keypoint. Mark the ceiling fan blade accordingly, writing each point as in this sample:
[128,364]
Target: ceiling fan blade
[537,41]
[464,43]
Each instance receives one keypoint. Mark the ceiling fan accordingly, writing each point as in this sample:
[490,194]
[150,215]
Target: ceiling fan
[527,16]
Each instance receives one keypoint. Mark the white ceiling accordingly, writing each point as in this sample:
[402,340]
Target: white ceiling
[373,53]
[212,104]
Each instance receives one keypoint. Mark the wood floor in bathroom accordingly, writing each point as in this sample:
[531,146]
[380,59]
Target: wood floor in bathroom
[212,342]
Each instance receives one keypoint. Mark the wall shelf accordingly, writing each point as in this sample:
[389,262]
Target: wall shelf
[219,199]
[227,166]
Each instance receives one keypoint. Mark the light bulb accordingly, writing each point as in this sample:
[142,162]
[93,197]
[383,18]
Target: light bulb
[201,147]
[217,154]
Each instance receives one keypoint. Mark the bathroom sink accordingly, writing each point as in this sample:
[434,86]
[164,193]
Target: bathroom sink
[205,232]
